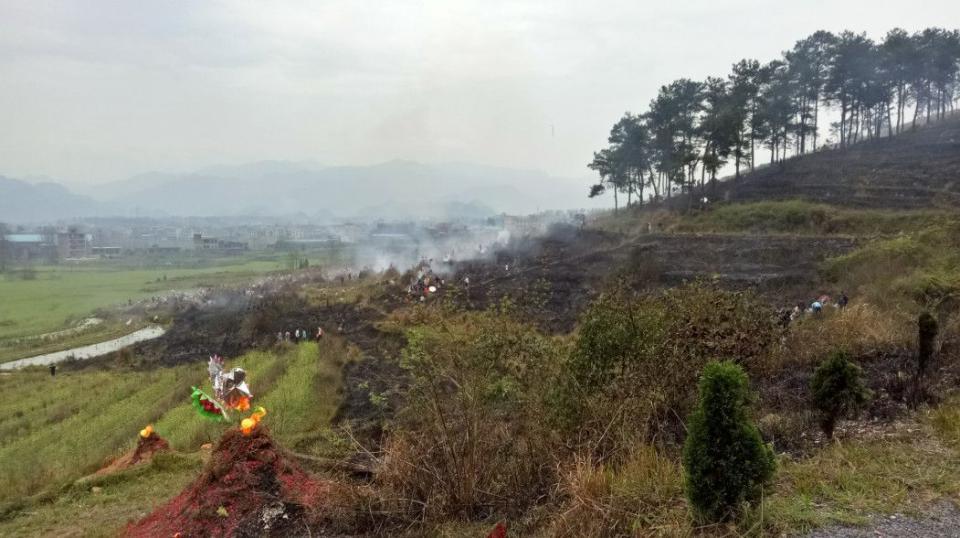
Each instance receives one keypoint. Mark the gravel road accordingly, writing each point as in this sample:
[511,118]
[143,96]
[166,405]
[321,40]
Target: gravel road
[942,522]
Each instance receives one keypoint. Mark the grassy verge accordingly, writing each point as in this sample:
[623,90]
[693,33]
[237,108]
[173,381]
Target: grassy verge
[800,217]
[103,506]
[921,268]
[780,217]
[848,482]
[904,471]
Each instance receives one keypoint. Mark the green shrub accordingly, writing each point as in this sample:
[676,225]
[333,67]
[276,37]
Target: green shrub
[837,390]
[726,463]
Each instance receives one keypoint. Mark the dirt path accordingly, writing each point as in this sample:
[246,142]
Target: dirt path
[87,352]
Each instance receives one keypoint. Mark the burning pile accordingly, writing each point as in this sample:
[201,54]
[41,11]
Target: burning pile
[148,444]
[248,488]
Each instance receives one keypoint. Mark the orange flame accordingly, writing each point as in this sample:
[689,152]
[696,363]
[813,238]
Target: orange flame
[240,404]
[147,432]
[248,424]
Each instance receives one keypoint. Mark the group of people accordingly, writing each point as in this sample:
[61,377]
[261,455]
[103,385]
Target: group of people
[426,283]
[299,335]
[814,308]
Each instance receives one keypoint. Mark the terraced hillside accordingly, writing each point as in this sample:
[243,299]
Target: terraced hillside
[569,268]
[916,169]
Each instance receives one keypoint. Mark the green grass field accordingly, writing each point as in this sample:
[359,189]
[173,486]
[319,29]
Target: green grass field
[54,431]
[59,295]
[52,297]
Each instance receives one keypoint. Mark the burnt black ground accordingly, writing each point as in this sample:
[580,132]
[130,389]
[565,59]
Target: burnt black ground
[913,170]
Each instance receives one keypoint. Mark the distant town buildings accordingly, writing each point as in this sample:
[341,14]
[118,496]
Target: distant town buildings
[178,239]
[25,247]
[219,245]
[73,244]
[49,245]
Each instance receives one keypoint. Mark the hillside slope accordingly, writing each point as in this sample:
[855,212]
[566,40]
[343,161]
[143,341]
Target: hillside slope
[916,169]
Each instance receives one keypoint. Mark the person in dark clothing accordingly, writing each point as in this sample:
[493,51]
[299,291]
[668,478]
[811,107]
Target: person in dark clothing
[843,300]
[53,370]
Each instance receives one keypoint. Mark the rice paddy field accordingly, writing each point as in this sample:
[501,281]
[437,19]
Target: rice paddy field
[55,431]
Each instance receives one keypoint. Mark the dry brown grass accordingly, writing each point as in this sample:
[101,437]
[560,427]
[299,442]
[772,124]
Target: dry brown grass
[470,437]
[857,329]
[641,497]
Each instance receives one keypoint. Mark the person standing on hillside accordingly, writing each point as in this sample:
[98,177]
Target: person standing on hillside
[843,300]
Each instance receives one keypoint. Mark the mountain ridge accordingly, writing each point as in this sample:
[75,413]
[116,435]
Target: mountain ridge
[406,189]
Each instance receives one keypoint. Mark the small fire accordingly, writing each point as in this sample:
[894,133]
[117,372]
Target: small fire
[240,404]
[248,424]
[147,432]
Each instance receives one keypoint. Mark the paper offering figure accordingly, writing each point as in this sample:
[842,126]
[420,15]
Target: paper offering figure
[230,392]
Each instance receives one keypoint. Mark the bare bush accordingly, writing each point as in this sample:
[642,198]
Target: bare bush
[471,438]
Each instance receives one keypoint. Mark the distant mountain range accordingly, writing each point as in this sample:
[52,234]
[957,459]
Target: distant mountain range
[391,190]
[25,202]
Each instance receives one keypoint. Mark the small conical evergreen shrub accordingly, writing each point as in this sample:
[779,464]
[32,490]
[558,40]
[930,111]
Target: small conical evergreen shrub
[927,328]
[726,463]
[837,390]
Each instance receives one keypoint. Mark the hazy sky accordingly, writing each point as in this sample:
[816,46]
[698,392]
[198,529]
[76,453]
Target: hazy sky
[99,90]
